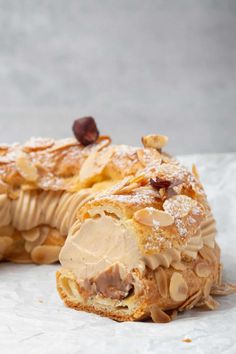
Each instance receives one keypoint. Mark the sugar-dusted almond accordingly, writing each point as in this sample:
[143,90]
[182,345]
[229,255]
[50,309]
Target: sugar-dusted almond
[94,165]
[153,217]
[180,205]
[26,168]
[36,144]
[45,254]
[178,287]
[202,269]
[31,235]
[161,281]
[154,141]
[158,315]
[63,144]
[146,156]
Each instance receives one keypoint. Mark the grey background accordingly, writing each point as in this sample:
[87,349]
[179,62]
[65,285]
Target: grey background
[136,66]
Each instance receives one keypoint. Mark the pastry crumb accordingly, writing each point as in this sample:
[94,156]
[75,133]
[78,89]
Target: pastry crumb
[187,340]
[41,301]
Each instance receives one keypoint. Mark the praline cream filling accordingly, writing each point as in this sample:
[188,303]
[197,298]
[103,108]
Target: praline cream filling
[100,243]
[31,209]
[104,239]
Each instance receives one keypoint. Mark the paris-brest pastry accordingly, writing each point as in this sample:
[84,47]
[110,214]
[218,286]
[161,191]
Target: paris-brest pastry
[132,228]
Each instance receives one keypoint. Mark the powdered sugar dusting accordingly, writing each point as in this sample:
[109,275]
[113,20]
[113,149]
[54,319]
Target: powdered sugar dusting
[179,206]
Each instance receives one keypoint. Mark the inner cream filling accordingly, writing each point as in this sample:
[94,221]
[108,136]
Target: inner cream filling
[104,240]
[99,243]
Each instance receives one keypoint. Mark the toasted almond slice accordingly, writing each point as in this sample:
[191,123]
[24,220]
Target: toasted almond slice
[211,304]
[158,315]
[153,217]
[207,254]
[64,144]
[220,274]
[223,289]
[94,165]
[191,301]
[154,141]
[195,171]
[45,254]
[180,205]
[26,168]
[31,235]
[178,287]
[36,144]
[207,288]
[178,265]
[161,280]
[202,269]
[147,156]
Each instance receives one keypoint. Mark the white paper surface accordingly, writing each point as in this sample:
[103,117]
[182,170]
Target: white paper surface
[33,320]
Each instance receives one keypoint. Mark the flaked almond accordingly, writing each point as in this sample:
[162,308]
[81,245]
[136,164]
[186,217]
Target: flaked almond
[178,265]
[180,205]
[202,269]
[45,254]
[220,274]
[208,254]
[161,281]
[147,156]
[158,315]
[211,303]
[178,287]
[31,235]
[94,165]
[154,141]
[30,244]
[36,144]
[26,168]
[223,289]
[153,217]
[195,171]
[63,144]
[191,301]
[207,288]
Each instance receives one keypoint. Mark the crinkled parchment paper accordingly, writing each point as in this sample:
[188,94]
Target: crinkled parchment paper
[34,320]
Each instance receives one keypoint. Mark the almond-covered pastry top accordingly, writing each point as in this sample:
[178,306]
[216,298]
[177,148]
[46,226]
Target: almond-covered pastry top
[67,165]
[164,217]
